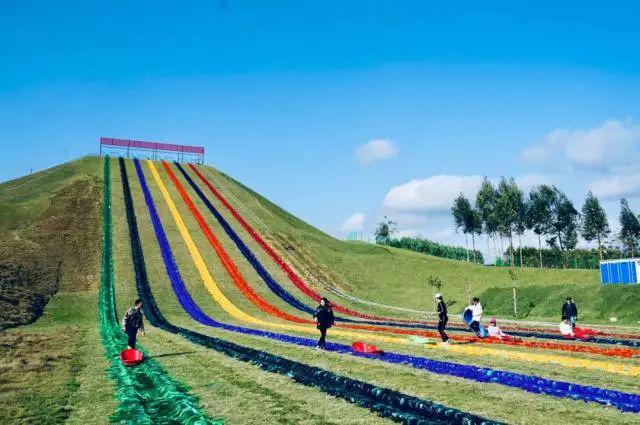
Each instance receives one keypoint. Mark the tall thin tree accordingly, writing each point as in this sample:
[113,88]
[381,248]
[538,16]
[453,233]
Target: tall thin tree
[539,213]
[595,225]
[629,227]
[564,224]
[486,206]
[463,216]
[508,206]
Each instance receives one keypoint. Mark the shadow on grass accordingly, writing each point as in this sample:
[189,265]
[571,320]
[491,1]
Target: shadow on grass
[172,354]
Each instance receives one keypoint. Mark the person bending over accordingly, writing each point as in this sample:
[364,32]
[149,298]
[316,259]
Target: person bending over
[132,322]
[476,311]
[324,320]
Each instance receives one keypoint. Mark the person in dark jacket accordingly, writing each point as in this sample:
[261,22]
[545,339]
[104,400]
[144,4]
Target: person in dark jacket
[132,322]
[570,312]
[443,318]
[324,320]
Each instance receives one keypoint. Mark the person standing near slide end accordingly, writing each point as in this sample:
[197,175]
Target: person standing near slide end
[476,311]
[570,312]
[132,322]
[324,319]
[443,318]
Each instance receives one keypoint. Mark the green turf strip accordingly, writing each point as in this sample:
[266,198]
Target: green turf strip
[146,393]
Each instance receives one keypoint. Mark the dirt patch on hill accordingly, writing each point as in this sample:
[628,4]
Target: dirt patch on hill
[58,251]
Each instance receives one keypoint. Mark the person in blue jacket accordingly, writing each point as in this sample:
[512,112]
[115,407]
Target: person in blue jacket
[324,320]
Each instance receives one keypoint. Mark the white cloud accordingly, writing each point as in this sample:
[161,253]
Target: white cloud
[611,144]
[376,150]
[433,194]
[527,182]
[353,223]
[616,186]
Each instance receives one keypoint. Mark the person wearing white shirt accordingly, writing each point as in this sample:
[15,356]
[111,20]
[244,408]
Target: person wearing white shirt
[566,329]
[476,315]
[494,330]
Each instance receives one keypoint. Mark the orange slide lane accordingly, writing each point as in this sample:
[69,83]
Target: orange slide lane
[264,306]
[297,281]
[304,287]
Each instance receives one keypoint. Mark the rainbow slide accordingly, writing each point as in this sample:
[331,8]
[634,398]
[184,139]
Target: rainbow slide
[534,384]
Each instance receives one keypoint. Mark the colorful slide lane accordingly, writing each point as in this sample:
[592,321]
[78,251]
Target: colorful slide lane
[388,403]
[147,394]
[534,384]
[298,282]
[235,312]
[278,290]
[242,285]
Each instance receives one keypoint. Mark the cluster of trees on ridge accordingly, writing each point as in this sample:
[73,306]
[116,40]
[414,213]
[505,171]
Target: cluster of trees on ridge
[505,212]
[387,228]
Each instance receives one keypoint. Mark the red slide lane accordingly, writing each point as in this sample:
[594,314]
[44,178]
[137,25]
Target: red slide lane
[268,308]
[297,281]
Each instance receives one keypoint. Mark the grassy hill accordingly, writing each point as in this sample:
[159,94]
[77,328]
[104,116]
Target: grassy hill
[399,277]
[49,256]
[64,347]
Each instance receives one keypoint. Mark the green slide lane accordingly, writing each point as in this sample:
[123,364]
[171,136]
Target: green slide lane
[146,393]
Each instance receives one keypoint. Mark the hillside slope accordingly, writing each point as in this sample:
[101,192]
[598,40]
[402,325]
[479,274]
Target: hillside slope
[49,257]
[46,219]
[398,277]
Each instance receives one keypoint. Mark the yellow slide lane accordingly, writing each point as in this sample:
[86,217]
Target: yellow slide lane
[235,312]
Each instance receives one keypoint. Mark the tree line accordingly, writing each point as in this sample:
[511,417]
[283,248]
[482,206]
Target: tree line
[505,212]
[387,228]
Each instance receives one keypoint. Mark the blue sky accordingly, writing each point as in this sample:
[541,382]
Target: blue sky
[282,95]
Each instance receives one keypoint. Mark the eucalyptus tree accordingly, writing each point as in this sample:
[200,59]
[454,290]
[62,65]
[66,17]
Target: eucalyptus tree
[463,216]
[509,204]
[564,224]
[629,227]
[486,207]
[539,213]
[595,225]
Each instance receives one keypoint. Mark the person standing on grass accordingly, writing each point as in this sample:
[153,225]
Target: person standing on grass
[476,312]
[132,323]
[324,320]
[570,312]
[443,318]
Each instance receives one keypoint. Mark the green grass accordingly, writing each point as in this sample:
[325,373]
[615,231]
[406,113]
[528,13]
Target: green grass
[515,407]
[399,277]
[70,355]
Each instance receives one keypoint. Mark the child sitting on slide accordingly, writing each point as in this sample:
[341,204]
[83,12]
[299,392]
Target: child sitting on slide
[495,332]
[569,331]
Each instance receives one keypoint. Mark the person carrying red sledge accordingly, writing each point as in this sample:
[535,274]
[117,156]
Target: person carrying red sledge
[132,322]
